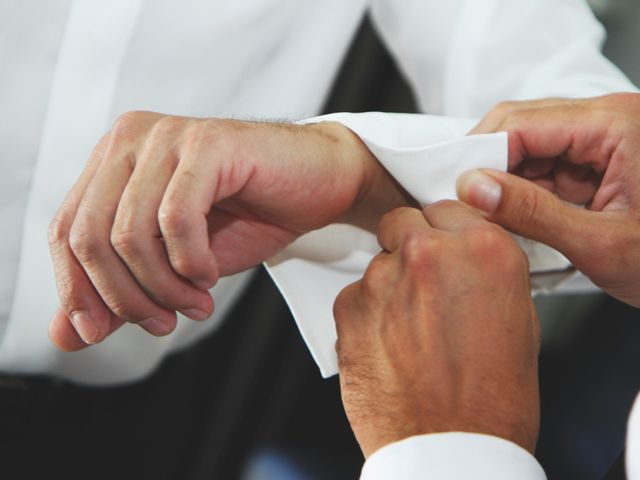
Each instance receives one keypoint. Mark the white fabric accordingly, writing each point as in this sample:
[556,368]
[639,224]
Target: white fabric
[632,457]
[68,68]
[452,456]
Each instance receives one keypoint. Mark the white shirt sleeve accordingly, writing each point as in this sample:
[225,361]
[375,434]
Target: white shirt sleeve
[462,57]
[452,456]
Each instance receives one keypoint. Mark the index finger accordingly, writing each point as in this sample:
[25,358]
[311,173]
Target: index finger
[452,216]
[399,225]
[575,130]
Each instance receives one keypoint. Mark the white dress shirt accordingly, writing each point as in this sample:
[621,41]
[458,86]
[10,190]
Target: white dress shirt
[68,68]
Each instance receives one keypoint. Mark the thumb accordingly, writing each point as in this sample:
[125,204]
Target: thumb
[529,210]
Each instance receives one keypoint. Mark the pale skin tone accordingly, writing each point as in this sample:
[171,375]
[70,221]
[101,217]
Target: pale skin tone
[440,334]
[166,205]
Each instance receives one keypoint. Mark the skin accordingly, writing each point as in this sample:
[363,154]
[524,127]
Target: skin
[585,152]
[441,333]
[225,196]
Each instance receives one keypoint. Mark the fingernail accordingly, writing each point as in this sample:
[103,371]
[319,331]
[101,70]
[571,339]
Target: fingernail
[479,190]
[85,326]
[195,314]
[157,326]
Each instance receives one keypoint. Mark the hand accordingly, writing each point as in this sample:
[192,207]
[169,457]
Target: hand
[168,204]
[586,152]
[441,333]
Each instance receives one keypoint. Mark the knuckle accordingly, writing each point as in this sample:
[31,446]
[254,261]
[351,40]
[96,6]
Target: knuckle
[504,109]
[186,265]
[527,209]
[390,219]
[440,205]
[123,310]
[59,227]
[167,126]
[486,239]
[490,241]
[392,215]
[206,134]
[84,244]
[172,218]
[125,123]
[375,277]
[387,217]
[418,249]
[126,243]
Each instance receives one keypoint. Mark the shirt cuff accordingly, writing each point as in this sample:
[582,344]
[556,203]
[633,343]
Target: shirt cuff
[426,154]
[452,456]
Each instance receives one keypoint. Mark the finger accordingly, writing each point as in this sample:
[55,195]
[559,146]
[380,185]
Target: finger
[346,306]
[496,116]
[65,336]
[137,240]
[533,212]
[576,183]
[196,186]
[90,240]
[554,128]
[548,183]
[356,306]
[570,131]
[398,225]
[532,168]
[79,300]
[452,216]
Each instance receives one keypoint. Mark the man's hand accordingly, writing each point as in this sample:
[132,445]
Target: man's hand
[167,205]
[440,334]
[586,152]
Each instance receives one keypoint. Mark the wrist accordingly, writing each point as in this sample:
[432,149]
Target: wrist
[378,192]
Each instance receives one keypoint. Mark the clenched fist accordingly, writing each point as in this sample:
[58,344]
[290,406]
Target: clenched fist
[166,205]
